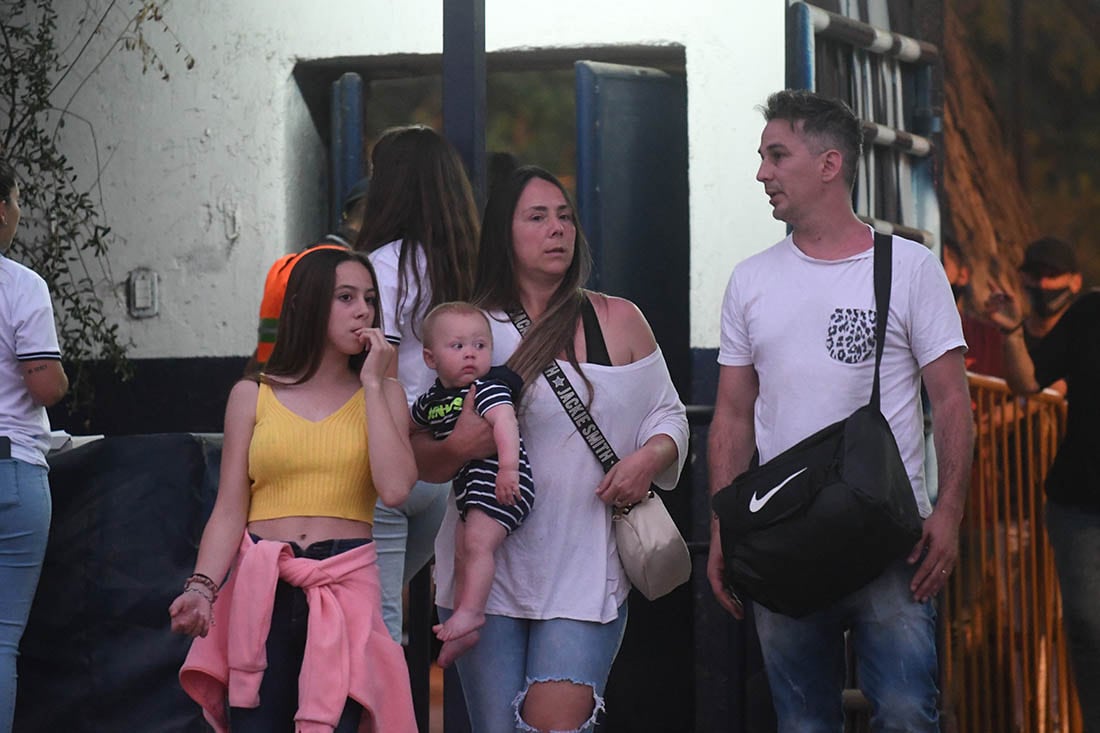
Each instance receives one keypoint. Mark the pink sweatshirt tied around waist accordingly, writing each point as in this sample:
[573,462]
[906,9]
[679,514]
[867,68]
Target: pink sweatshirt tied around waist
[348,651]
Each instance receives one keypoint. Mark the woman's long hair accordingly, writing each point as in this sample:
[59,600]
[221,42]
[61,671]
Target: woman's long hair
[495,285]
[303,322]
[7,179]
[419,193]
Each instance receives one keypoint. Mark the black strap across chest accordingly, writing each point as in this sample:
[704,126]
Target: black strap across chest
[594,345]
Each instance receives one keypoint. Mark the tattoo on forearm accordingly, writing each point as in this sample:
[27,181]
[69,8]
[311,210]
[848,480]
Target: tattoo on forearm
[39,368]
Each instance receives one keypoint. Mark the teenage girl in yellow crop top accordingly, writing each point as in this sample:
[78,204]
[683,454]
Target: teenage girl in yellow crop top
[297,466]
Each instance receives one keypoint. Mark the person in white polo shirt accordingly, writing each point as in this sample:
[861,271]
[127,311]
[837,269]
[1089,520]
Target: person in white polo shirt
[31,379]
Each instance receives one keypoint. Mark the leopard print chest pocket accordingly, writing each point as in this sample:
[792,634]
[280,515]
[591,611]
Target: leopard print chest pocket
[851,335]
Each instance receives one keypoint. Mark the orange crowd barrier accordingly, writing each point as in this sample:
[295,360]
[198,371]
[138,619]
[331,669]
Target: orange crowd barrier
[1004,663]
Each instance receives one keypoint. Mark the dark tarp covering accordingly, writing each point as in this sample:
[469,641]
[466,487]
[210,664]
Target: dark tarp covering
[98,655]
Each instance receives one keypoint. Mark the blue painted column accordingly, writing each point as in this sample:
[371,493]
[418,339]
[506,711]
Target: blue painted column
[346,127]
[464,85]
[464,126]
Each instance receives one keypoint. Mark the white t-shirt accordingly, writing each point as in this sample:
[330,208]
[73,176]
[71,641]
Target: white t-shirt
[398,317]
[563,561]
[808,327]
[27,333]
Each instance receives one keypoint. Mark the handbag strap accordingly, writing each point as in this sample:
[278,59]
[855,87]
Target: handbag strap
[595,348]
[883,257]
[574,406]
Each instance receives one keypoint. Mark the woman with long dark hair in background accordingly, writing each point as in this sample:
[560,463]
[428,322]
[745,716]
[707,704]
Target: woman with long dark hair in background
[421,230]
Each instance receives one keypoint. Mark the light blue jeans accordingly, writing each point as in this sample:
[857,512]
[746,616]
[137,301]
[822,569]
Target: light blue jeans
[894,639]
[512,653]
[1075,536]
[405,539]
[25,507]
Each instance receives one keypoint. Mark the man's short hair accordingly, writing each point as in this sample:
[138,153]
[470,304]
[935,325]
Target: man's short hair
[1049,257]
[828,121]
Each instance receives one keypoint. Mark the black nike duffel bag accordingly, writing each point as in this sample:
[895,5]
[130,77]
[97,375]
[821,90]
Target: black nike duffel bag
[820,520]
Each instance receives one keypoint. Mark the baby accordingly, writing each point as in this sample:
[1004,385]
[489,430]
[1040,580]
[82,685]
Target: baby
[493,495]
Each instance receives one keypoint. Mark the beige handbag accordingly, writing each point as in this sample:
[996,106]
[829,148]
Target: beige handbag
[651,549]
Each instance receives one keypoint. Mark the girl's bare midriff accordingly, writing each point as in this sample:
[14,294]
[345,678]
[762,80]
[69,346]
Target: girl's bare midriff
[304,531]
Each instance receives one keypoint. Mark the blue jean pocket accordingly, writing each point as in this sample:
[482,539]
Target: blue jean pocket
[9,483]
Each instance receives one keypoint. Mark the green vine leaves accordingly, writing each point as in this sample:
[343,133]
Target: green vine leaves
[64,236]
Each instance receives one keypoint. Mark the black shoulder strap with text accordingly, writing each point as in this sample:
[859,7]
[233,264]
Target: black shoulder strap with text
[570,400]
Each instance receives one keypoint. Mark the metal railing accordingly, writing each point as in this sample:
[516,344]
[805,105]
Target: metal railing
[888,79]
[1003,660]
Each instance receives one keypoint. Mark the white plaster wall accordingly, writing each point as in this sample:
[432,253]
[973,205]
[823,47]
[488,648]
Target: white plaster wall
[305,195]
[208,177]
[732,66]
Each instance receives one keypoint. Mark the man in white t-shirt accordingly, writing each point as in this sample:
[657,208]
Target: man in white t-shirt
[797,353]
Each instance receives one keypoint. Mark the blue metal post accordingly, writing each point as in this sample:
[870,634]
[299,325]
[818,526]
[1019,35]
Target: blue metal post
[347,141]
[464,85]
[464,126]
[800,48]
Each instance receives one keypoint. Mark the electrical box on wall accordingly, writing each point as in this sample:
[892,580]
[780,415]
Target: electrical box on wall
[141,293]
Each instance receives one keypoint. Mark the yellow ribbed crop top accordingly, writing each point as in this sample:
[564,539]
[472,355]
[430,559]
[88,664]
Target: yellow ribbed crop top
[301,468]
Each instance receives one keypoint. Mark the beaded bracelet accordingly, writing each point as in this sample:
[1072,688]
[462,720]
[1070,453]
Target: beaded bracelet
[207,578]
[205,581]
[208,599]
[199,592]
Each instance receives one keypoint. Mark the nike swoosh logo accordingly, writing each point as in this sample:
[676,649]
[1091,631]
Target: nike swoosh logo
[756,503]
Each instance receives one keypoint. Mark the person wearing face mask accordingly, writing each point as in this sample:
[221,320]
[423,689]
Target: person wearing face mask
[1051,280]
[1067,348]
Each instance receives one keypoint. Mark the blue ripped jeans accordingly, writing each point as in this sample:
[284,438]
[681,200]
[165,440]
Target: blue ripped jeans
[25,507]
[894,639]
[511,653]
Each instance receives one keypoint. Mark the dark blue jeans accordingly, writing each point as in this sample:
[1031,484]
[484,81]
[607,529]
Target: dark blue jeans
[286,645]
[1075,536]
